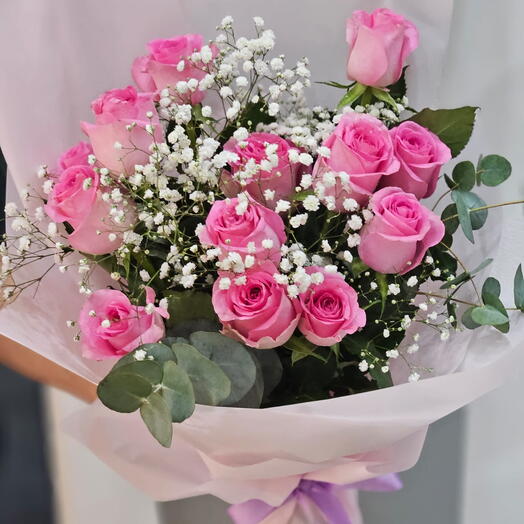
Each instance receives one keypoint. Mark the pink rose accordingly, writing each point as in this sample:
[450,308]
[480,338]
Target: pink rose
[111,326]
[361,154]
[169,63]
[330,310]
[254,230]
[76,199]
[379,44]
[76,156]
[114,111]
[280,175]
[400,233]
[259,312]
[421,154]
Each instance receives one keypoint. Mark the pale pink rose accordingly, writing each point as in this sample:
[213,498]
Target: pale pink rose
[246,234]
[379,44]
[259,312]
[76,199]
[281,178]
[111,326]
[361,154]
[396,239]
[421,154]
[76,156]
[169,63]
[114,111]
[330,310]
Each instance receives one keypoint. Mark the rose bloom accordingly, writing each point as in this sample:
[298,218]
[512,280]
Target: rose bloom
[111,326]
[161,69]
[396,239]
[281,178]
[114,111]
[379,44]
[76,156]
[259,312]
[360,147]
[330,310]
[76,199]
[246,234]
[421,154]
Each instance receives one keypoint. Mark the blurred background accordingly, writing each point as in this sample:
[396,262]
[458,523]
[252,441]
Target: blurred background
[472,467]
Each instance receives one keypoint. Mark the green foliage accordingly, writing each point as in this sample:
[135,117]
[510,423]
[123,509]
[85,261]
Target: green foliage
[466,275]
[492,170]
[399,88]
[383,96]
[518,289]
[452,126]
[450,218]
[210,384]
[470,211]
[301,348]
[190,311]
[464,175]
[352,95]
[157,417]
[177,391]
[488,315]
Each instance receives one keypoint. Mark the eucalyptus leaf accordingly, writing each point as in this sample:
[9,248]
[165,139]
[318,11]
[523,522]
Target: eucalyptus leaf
[450,219]
[493,170]
[463,214]
[491,286]
[157,417]
[233,358]
[467,320]
[464,175]
[123,392]
[493,300]
[452,126]
[210,384]
[488,316]
[177,391]
[518,288]
[160,352]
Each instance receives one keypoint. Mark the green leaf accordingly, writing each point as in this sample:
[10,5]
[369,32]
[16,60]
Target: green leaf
[210,384]
[190,311]
[399,88]
[383,289]
[468,321]
[467,274]
[384,96]
[493,170]
[452,126]
[464,175]
[463,214]
[488,316]
[301,348]
[352,95]
[233,358]
[271,368]
[493,300]
[157,417]
[449,182]
[492,287]
[383,380]
[518,288]
[331,83]
[177,391]
[451,222]
[124,390]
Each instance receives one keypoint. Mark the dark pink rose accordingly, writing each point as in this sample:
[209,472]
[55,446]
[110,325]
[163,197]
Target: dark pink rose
[76,156]
[280,176]
[169,63]
[258,312]
[421,154]
[361,154]
[114,111]
[76,199]
[111,326]
[396,239]
[247,233]
[330,310]
[379,44]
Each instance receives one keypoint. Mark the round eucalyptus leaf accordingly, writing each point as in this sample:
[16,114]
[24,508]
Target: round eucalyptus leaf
[451,221]
[160,352]
[467,321]
[124,392]
[494,169]
[491,287]
[464,175]
[147,369]
[177,391]
[488,316]
[157,417]
[210,384]
[233,358]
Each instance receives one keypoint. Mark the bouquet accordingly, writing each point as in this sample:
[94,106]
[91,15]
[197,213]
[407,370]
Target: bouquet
[239,249]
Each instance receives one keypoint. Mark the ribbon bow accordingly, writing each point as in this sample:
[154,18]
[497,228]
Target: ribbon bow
[310,500]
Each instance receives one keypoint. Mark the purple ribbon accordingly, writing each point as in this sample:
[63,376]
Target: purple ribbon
[324,495]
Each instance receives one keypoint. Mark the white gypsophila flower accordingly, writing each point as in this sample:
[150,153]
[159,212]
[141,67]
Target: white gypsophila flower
[273,109]
[10,209]
[350,204]
[354,223]
[269,194]
[413,348]
[363,366]
[311,203]
[393,289]
[436,272]
[414,377]
[282,206]
[306,181]
[224,283]
[412,281]
[326,246]
[144,275]
[277,64]
[392,353]
[298,220]
[226,91]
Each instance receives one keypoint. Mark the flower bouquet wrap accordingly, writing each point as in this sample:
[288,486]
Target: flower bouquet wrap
[235,249]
